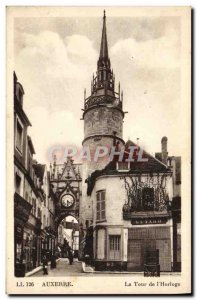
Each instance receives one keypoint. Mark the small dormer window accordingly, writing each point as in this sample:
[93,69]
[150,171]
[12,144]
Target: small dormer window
[19,93]
[19,136]
[122,166]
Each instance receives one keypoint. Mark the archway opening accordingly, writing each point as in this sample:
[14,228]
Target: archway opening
[68,237]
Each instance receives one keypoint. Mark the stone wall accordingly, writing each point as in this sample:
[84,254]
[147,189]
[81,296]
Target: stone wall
[103,120]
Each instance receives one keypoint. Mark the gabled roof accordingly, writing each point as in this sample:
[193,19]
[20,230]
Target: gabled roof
[69,170]
[152,165]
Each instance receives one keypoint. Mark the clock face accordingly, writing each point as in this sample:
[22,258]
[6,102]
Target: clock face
[67,200]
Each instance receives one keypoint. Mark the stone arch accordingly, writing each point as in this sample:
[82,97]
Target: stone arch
[63,215]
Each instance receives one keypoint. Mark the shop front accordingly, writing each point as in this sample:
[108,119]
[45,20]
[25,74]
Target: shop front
[22,211]
[32,243]
[141,240]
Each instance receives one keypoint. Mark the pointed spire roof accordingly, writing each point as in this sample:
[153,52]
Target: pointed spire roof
[103,83]
[104,45]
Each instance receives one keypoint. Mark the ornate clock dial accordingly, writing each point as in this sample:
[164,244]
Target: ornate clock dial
[67,200]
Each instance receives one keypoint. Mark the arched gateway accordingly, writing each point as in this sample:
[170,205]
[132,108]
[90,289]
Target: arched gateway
[65,185]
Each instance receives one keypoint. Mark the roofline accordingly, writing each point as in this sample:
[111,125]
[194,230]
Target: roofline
[31,144]
[19,110]
[151,155]
[17,82]
[122,174]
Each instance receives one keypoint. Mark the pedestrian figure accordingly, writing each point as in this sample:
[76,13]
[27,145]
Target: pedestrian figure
[45,265]
[53,261]
[70,257]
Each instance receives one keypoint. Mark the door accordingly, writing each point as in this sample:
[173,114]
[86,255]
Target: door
[135,255]
[114,247]
[164,254]
[142,239]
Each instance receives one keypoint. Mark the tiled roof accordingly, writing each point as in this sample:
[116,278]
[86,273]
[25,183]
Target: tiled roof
[152,165]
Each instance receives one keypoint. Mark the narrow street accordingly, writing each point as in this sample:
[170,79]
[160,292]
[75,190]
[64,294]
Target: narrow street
[63,269]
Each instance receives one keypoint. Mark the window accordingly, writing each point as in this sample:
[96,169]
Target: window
[18,252]
[18,183]
[34,207]
[26,196]
[114,247]
[44,221]
[39,213]
[19,136]
[178,242]
[123,166]
[29,162]
[100,206]
[148,199]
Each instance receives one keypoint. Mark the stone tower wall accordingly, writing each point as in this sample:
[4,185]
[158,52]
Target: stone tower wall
[99,126]
[103,120]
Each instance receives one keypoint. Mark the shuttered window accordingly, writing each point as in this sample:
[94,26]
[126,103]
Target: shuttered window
[100,206]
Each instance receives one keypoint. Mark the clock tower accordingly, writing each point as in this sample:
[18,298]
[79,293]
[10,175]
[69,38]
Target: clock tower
[65,185]
[103,120]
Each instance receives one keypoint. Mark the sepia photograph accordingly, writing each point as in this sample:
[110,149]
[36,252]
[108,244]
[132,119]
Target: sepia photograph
[99,150]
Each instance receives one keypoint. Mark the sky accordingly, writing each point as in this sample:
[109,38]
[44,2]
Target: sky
[55,59]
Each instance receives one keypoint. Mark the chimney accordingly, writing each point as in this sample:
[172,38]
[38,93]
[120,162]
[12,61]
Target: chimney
[164,150]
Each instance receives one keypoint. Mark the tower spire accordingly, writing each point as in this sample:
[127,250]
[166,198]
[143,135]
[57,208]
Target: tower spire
[104,73]
[103,82]
[104,45]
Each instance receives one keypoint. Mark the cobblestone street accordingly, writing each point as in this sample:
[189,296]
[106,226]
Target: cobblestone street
[63,269]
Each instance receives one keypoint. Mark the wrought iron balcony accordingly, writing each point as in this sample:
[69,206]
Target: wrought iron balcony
[140,215]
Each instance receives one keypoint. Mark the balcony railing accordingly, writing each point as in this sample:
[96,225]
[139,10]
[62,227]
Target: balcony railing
[95,100]
[157,211]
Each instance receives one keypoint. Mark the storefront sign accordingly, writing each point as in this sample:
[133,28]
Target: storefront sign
[144,221]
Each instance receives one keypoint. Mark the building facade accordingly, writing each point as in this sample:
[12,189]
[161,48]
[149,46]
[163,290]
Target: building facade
[132,214]
[123,209]
[33,204]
